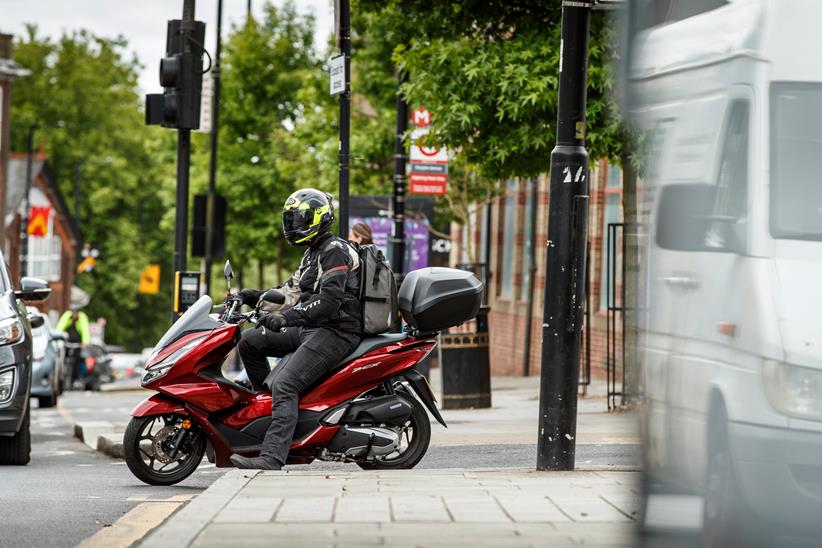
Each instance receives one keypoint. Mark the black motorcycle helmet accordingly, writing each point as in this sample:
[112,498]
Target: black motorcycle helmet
[307,215]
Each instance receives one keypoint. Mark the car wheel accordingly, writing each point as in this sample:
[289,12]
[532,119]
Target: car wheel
[17,449]
[47,401]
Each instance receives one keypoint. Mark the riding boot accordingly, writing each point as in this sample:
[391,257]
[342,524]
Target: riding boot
[263,462]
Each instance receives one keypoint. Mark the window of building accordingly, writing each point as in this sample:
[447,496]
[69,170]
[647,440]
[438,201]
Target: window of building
[611,214]
[528,227]
[509,229]
[45,255]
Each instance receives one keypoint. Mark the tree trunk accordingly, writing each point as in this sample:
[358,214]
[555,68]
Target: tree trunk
[260,274]
[631,281]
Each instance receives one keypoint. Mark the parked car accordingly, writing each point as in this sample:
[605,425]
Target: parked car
[47,361]
[15,364]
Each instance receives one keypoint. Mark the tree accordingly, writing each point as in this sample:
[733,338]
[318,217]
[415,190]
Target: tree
[83,95]
[488,73]
[270,81]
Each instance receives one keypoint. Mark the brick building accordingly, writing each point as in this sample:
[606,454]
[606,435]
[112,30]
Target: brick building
[511,218]
[52,256]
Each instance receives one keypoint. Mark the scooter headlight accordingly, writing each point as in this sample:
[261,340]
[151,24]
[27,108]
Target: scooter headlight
[792,390]
[157,370]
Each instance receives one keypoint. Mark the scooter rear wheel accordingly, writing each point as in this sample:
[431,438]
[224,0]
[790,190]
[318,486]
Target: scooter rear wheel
[146,441]
[417,435]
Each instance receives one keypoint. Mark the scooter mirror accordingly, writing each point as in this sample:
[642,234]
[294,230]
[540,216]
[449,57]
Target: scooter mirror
[227,271]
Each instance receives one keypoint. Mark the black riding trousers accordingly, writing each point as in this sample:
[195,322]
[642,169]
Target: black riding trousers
[316,352]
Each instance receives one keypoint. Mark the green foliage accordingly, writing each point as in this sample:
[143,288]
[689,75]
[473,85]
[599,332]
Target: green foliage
[488,73]
[82,93]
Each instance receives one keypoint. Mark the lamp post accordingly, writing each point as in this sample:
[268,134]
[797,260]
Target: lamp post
[565,257]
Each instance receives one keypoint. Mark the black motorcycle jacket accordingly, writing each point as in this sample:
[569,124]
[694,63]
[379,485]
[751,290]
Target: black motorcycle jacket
[329,286]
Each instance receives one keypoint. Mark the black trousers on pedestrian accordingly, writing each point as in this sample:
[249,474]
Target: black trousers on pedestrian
[316,352]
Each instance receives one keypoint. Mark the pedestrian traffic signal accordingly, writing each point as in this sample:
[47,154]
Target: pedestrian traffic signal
[181,75]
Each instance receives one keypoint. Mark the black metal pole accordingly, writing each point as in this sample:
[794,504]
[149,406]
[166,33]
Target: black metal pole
[181,232]
[345,117]
[398,237]
[212,168]
[532,273]
[565,260]
[24,219]
[183,159]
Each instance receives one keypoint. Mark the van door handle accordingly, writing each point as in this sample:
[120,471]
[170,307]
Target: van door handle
[681,282]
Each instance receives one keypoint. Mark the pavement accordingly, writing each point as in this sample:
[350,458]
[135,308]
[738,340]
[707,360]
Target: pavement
[490,507]
[476,486]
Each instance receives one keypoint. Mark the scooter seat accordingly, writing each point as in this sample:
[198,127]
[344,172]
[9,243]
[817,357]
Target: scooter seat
[372,343]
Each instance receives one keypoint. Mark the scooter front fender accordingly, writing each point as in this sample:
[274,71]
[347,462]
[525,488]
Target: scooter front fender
[158,404]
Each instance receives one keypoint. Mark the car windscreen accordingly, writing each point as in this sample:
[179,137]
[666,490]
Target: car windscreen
[796,160]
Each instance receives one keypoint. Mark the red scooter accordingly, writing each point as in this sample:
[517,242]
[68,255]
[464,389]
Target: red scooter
[363,412]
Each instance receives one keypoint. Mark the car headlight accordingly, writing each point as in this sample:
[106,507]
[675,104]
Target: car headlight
[792,390]
[6,385]
[11,330]
[157,370]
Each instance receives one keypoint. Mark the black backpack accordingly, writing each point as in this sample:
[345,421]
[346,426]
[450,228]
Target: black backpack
[378,291]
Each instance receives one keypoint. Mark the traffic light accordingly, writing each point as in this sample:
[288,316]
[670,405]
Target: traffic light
[181,75]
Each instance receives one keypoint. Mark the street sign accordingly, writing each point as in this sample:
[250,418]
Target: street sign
[421,117]
[429,164]
[205,104]
[336,71]
[427,183]
[149,280]
[39,221]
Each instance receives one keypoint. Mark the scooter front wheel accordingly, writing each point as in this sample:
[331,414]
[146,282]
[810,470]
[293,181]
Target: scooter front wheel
[159,452]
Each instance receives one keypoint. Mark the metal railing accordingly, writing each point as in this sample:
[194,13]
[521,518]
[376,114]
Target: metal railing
[615,305]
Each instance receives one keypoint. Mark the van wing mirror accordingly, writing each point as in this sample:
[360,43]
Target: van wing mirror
[33,289]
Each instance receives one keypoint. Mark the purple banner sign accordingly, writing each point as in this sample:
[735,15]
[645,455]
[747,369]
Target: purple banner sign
[416,239]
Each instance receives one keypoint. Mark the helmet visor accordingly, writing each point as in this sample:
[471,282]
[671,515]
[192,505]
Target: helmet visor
[295,220]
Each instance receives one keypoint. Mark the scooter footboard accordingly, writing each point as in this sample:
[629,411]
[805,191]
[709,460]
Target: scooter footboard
[158,404]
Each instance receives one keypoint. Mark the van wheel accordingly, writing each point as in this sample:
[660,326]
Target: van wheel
[414,439]
[17,449]
[726,520]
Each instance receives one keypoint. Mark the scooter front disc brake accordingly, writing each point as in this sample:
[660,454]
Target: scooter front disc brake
[158,441]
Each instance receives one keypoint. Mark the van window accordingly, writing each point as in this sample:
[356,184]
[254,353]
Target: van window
[796,161]
[732,181]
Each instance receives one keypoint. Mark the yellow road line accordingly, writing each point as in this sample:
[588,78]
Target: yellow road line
[64,412]
[133,526]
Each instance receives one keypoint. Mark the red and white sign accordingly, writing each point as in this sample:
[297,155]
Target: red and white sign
[421,117]
[429,164]
[427,183]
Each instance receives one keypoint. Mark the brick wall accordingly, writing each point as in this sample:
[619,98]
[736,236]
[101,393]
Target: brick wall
[507,320]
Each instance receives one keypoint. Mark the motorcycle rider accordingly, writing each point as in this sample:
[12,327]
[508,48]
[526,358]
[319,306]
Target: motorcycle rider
[320,329]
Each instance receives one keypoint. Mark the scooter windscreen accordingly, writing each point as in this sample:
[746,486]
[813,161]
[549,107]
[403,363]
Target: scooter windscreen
[196,318]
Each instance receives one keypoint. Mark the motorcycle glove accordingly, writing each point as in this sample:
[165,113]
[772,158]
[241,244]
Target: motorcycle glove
[272,322]
[250,296]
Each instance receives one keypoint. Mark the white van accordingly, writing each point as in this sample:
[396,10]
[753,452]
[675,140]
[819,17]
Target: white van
[732,361]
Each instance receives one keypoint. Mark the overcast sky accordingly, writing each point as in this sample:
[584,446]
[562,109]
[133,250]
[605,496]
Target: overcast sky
[143,22]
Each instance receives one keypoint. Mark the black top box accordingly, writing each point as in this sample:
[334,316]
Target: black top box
[433,299]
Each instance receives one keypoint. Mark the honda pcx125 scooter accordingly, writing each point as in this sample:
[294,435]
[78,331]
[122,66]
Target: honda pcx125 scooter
[371,410]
